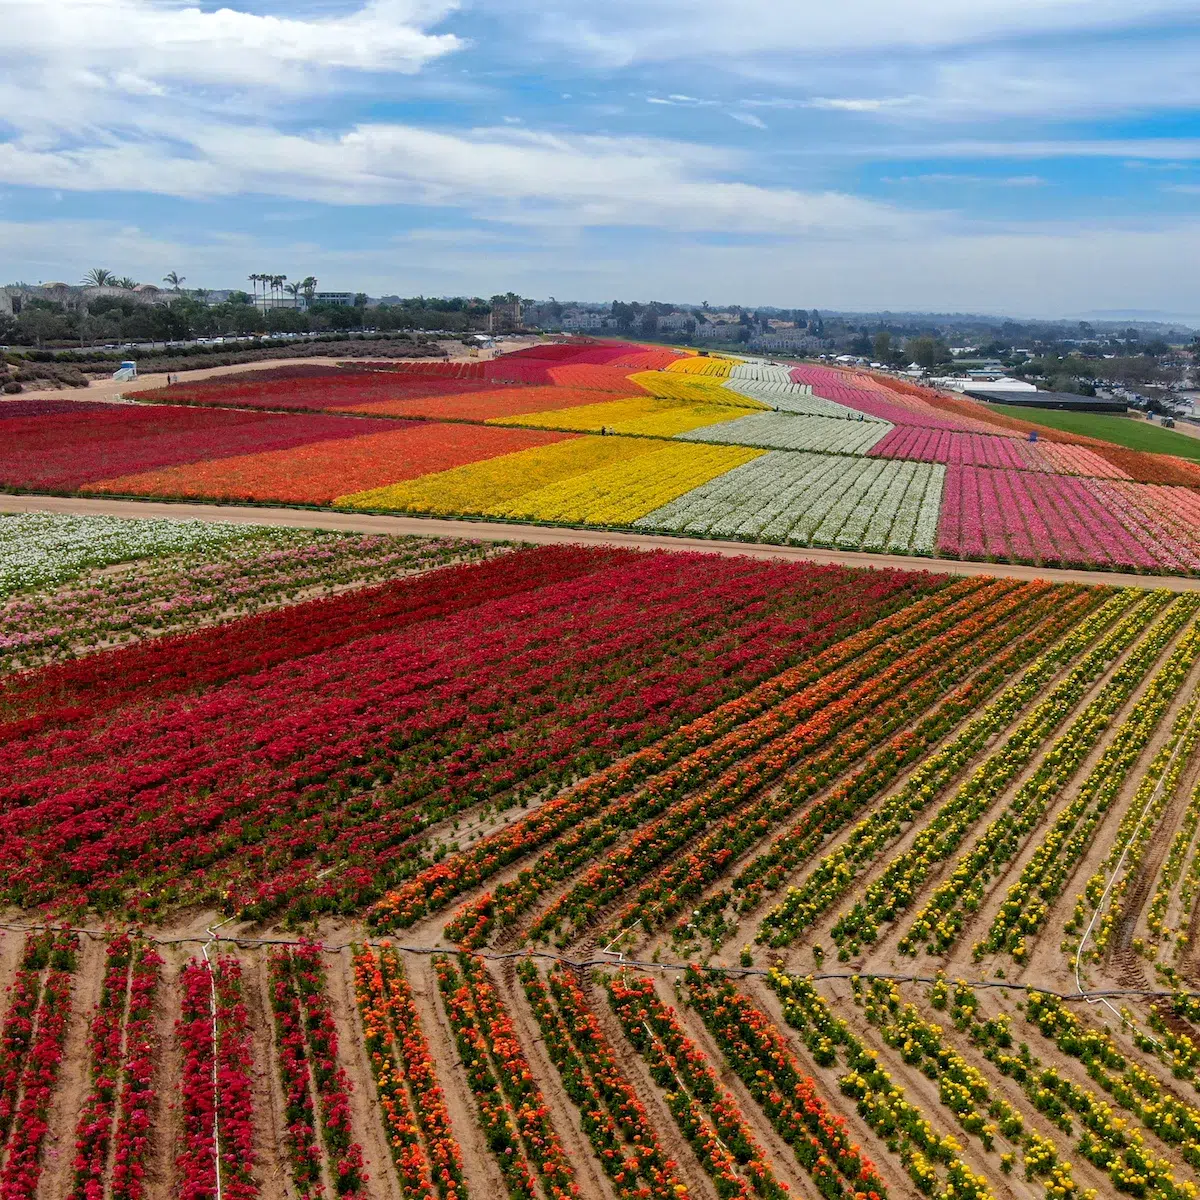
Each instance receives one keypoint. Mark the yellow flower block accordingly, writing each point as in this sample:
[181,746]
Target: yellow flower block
[716,368]
[695,389]
[482,486]
[620,493]
[647,415]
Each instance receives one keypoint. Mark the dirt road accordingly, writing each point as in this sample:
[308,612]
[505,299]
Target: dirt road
[542,535]
[100,390]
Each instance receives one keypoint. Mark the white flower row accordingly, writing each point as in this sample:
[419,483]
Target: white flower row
[791,431]
[41,548]
[809,499]
[761,372]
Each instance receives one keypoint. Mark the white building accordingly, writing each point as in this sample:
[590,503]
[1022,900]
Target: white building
[960,383]
[581,320]
[717,333]
[784,341]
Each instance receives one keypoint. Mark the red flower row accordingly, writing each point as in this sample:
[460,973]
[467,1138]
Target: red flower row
[216,1091]
[313,1083]
[132,1139]
[39,1075]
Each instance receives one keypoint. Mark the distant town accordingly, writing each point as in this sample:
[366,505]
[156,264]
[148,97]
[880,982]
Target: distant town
[1148,365]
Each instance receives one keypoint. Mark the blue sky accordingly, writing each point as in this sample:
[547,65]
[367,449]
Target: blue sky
[1035,157]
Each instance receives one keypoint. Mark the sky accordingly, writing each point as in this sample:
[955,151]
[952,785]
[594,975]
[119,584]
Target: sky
[1027,157]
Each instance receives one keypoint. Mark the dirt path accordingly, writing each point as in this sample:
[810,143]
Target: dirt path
[102,390]
[543,535]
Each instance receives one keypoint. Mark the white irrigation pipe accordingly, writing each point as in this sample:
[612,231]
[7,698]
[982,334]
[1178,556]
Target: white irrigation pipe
[212,1001]
[1087,933]
[620,954]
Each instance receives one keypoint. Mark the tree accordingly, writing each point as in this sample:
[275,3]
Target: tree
[649,324]
[174,280]
[124,282]
[293,290]
[360,299]
[239,297]
[927,351]
[881,345]
[201,295]
[309,286]
[99,277]
[40,325]
[254,282]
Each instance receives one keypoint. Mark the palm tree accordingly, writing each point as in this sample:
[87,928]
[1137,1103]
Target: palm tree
[201,294]
[279,281]
[254,284]
[309,286]
[99,277]
[124,282]
[174,279]
[293,290]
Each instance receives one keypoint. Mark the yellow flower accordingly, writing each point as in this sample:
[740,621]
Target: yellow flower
[639,414]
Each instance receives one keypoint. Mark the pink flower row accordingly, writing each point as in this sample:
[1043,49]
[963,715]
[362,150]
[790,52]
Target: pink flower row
[986,450]
[1055,519]
[864,394]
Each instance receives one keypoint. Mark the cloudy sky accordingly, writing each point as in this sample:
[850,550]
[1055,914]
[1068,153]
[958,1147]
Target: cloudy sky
[1036,157]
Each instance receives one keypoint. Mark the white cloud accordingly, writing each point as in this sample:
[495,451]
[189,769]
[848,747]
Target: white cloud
[1147,148]
[500,174]
[749,119]
[621,32]
[1185,189]
[936,177]
[148,43]
[860,105]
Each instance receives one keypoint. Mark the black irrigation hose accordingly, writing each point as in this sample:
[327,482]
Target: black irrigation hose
[587,963]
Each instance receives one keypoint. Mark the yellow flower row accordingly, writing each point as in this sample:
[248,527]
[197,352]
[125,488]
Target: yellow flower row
[638,414]
[620,493]
[598,480]
[715,368]
[475,487]
[694,389]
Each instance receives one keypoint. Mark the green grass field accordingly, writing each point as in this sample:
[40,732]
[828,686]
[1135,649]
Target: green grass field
[1133,433]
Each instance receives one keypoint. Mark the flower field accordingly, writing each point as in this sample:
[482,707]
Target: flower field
[490,439]
[317,472]
[647,416]
[343,865]
[810,499]
[581,433]
[589,480]
[785,431]
[176,576]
